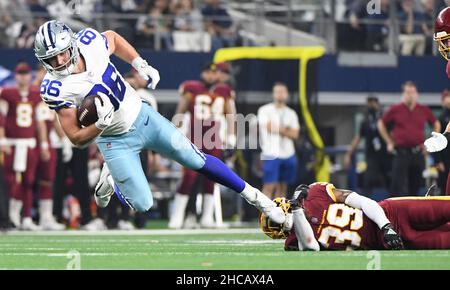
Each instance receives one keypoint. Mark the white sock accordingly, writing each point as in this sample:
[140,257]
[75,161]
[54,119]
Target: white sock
[45,210]
[249,193]
[15,207]
[256,198]
[179,208]
[208,208]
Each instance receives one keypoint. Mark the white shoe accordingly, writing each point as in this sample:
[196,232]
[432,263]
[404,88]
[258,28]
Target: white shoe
[15,221]
[264,204]
[47,221]
[207,224]
[29,225]
[190,222]
[95,225]
[105,188]
[52,225]
[125,226]
[275,213]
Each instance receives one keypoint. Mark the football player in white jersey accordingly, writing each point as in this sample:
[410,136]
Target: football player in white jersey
[78,65]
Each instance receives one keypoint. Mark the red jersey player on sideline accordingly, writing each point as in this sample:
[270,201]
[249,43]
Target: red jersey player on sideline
[19,144]
[46,168]
[207,102]
[335,219]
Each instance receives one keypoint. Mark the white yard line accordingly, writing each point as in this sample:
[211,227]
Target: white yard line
[235,242]
[216,253]
[67,255]
[170,253]
[164,232]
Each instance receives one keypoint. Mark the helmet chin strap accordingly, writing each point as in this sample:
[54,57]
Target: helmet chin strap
[68,70]
[65,72]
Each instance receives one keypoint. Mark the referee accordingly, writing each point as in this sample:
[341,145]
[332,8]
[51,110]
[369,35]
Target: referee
[407,120]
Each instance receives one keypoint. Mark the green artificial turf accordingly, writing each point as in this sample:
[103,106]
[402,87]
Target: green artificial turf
[224,249]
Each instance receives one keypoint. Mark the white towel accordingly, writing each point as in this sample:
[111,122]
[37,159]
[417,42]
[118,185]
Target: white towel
[21,147]
[20,158]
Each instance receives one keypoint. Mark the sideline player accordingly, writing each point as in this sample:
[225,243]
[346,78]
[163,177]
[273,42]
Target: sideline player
[208,102]
[19,144]
[46,168]
[79,66]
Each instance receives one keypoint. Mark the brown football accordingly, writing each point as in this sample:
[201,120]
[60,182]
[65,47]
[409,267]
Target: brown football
[87,112]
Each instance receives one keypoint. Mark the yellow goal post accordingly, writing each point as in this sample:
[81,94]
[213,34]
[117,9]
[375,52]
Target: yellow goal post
[303,55]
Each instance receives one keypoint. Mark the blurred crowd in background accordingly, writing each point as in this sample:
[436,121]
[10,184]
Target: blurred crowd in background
[207,25]
[415,19]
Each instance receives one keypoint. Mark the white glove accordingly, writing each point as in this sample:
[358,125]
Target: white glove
[146,71]
[105,111]
[67,151]
[436,143]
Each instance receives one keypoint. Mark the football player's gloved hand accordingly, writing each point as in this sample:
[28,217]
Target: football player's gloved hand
[146,71]
[300,194]
[391,238]
[105,111]
[436,142]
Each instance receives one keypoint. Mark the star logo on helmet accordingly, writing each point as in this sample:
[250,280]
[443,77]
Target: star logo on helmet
[65,28]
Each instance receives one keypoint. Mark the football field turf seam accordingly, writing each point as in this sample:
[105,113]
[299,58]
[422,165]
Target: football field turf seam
[133,232]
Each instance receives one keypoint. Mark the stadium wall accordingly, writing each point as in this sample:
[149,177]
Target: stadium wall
[428,72]
[339,86]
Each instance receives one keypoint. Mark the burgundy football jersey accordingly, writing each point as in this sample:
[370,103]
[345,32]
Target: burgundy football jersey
[337,226]
[20,118]
[207,107]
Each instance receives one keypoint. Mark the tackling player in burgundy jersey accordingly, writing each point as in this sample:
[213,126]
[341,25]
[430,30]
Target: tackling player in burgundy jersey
[207,102]
[437,141]
[336,219]
[19,143]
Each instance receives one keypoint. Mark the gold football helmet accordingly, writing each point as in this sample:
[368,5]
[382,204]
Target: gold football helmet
[272,229]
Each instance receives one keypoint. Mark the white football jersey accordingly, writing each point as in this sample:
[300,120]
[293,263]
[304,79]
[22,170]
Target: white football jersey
[100,76]
[274,145]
